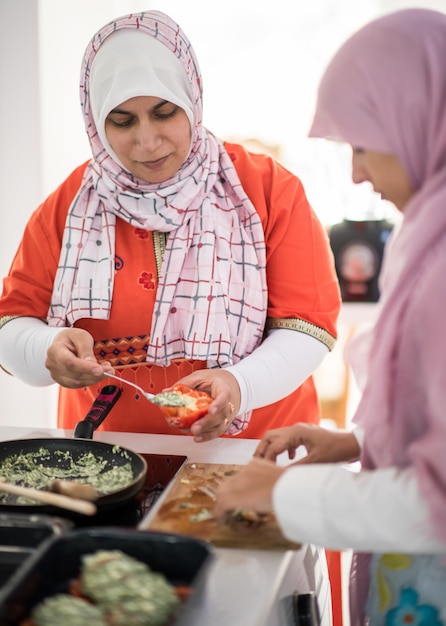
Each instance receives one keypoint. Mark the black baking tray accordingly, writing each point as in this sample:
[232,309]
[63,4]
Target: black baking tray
[183,560]
[21,535]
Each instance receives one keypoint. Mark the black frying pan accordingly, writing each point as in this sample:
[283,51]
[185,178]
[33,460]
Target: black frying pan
[81,443]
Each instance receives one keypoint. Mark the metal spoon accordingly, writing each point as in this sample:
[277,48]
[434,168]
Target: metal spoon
[146,394]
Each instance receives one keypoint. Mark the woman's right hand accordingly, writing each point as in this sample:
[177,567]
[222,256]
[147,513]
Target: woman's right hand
[71,362]
[322,445]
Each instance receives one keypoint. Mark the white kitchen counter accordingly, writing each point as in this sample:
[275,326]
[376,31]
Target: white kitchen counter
[243,587]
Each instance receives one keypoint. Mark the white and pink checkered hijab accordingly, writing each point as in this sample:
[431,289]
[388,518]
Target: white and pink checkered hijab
[212,296]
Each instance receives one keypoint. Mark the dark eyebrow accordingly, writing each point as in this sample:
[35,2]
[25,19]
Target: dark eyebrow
[161,104]
[124,112]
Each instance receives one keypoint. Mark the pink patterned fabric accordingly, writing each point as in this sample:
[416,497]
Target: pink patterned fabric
[212,296]
[385,90]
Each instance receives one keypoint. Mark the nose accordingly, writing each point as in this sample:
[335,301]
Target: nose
[148,138]
[359,172]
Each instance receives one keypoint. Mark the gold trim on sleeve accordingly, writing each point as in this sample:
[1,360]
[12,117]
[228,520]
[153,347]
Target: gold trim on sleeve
[301,326]
[7,318]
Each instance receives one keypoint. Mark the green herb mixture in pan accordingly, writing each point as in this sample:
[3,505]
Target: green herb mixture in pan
[38,469]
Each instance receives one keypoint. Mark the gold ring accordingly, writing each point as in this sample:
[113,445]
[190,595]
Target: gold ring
[226,422]
[231,407]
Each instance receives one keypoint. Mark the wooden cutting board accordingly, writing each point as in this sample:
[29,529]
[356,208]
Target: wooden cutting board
[190,495]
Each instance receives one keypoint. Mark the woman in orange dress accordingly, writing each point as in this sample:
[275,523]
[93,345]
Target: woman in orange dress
[168,256]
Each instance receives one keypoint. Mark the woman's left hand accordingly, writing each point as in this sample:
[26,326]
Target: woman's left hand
[224,389]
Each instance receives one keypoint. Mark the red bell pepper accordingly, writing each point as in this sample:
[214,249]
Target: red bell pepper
[182,405]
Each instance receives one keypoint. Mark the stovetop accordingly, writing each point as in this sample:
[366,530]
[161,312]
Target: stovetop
[161,469]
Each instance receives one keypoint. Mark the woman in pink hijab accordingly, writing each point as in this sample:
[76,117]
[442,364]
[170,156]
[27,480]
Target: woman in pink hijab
[384,93]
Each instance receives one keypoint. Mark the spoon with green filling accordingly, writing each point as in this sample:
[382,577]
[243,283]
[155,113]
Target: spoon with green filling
[162,399]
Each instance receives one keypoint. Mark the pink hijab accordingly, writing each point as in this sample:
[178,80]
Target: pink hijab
[385,90]
[212,295]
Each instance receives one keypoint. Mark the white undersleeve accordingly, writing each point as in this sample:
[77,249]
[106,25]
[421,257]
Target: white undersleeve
[369,511]
[24,342]
[284,360]
[278,366]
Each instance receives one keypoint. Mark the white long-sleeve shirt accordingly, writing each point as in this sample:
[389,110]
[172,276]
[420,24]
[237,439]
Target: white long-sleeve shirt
[370,511]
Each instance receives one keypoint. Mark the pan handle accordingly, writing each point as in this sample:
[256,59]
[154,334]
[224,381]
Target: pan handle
[99,410]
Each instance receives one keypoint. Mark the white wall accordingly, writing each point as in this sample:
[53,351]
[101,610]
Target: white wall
[261,63]
[20,175]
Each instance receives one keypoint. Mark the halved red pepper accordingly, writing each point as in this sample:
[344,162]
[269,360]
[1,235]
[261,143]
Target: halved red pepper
[183,411]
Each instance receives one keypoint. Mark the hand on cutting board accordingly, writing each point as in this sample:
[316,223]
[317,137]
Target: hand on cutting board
[322,445]
[250,488]
[224,389]
[71,361]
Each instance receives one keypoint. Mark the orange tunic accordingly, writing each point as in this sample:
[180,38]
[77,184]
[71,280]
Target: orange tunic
[303,293]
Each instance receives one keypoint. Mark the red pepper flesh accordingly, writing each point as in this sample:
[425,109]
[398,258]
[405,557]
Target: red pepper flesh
[183,417]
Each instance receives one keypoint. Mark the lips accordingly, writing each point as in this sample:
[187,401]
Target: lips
[156,164]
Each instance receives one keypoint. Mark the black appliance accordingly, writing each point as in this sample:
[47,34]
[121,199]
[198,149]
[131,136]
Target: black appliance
[358,248]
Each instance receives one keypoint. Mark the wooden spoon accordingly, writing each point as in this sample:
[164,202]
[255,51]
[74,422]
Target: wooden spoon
[73,489]
[54,499]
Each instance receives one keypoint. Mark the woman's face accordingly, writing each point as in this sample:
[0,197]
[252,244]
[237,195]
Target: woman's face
[151,137]
[385,172]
